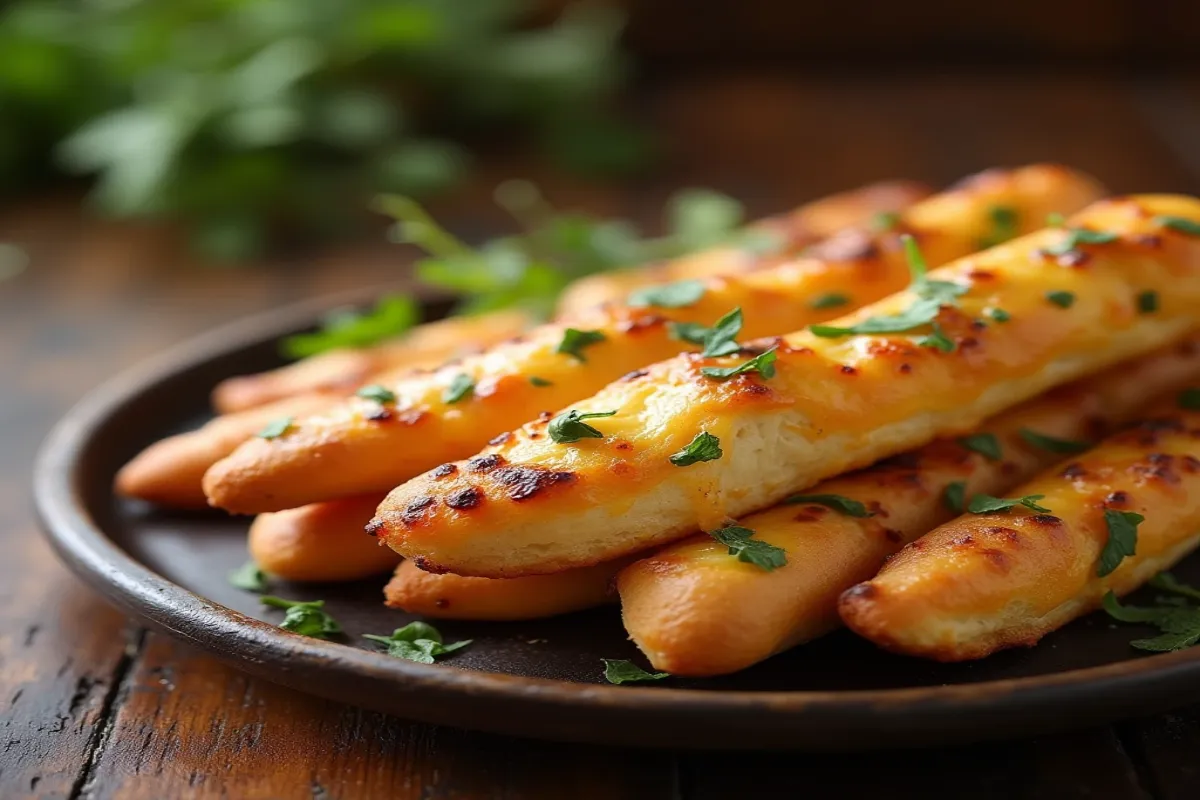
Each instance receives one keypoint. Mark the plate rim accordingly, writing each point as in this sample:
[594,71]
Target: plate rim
[1146,683]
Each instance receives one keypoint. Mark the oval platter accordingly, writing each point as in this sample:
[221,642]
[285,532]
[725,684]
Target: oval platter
[544,678]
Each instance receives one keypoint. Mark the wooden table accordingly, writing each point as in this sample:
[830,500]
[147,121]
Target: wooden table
[97,707]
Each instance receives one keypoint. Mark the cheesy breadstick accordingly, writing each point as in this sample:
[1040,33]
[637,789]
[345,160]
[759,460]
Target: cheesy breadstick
[1107,521]
[363,446]
[321,542]
[787,234]
[961,344]
[694,610]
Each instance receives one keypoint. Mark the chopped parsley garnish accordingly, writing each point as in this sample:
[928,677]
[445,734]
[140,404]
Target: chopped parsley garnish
[249,576]
[1147,301]
[1061,299]
[344,327]
[986,504]
[378,393]
[1122,539]
[539,382]
[831,300]
[1004,221]
[276,428]
[719,341]
[1169,583]
[986,444]
[574,341]
[955,496]
[569,426]
[1189,399]
[705,447]
[460,387]
[851,508]
[1053,445]
[885,221]
[1055,220]
[618,671]
[417,641]
[1179,624]
[763,364]
[938,340]
[741,543]
[998,314]
[671,295]
[1078,236]
[690,332]
[305,618]
[1181,224]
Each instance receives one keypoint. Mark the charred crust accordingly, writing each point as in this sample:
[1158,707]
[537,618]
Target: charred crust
[846,369]
[623,446]
[378,414]
[633,376]
[1045,520]
[1001,532]
[425,565]
[464,499]
[1074,472]
[522,483]
[1117,499]
[963,540]
[905,369]
[545,416]
[374,527]
[416,508]
[485,463]
[1157,466]
[442,470]
[500,439]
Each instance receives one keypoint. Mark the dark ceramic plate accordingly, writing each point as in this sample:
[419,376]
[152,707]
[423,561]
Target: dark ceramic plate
[543,678]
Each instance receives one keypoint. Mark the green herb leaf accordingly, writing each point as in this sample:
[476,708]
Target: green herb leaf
[998,314]
[761,554]
[277,428]
[1180,625]
[1189,399]
[955,496]
[392,316]
[986,444]
[378,393]
[672,295]
[249,577]
[1053,445]
[705,447]
[938,340]
[1061,299]
[885,221]
[851,508]
[569,426]
[763,364]
[1078,236]
[719,341]
[690,332]
[305,618]
[417,641]
[574,341]
[831,300]
[1147,301]
[618,671]
[1055,220]
[1122,539]
[1169,583]
[1181,224]
[986,504]
[1005,225]
[539,382]
[459,387]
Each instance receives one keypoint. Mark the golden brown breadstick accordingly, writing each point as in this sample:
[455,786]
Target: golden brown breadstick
[1107,521]
[788,235]
[694,610]
[360,447]
[1122,281]
[456,597]
[320,542]
[342,370]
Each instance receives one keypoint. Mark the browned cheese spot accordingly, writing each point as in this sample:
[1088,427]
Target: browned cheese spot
[442,470]
[464,499]
[485,463]
[374,527]
[415,509]
[378,414]
[522,483]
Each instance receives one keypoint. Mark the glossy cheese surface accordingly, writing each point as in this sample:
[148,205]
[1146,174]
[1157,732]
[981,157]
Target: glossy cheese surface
[358,447]
[694,609]
[529,505]
[985,582]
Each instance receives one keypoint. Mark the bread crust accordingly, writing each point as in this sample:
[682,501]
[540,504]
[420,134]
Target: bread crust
[529,505]
[321,543]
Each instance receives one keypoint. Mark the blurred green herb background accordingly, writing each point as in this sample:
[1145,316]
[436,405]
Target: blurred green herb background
[245,118]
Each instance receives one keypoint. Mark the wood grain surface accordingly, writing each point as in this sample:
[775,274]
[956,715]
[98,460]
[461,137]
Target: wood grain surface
[98,708]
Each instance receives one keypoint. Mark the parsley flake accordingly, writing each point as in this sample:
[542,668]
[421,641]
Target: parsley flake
[1055,220]
[344,327]
[851,508]
[719,341]
[986,504]
[1122,539]
[248,576]
[1078,236]
[884,221]
[705,447]
[830,300]
[305,618]
[1189,399]
[1179,624]
[417,641]
[379,394]
[763,364]
[761,554]
[1181,224]
[277,428]
[1169,583]
[574,341]
[998,314]
[569,426]
[1005,221]
[618,671]
[986,444]
[690,332]
[460,387]
[1052,445]
[1147,301]
[671,295]
[955,496]
[1061,299]
[938,340]
[539,382]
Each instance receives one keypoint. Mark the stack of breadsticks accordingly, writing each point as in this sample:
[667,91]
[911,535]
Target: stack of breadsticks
[747,494]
